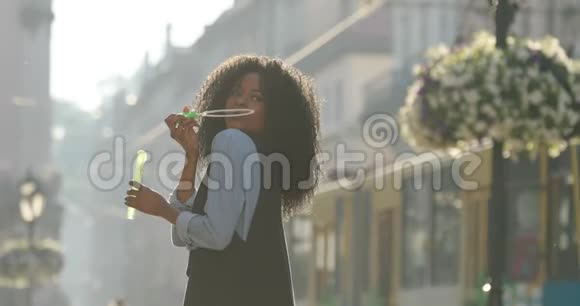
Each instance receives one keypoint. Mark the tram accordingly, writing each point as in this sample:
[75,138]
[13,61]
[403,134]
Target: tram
[415,233]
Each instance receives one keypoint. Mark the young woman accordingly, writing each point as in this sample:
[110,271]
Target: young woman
[261,168]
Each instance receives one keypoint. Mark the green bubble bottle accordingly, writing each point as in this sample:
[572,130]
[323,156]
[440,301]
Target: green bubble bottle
[137,177]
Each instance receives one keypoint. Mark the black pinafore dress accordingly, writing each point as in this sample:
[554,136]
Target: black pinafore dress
[255,272]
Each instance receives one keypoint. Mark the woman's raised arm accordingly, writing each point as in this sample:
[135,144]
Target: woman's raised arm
[225,204]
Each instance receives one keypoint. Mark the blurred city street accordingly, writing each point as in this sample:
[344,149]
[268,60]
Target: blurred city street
[451,128]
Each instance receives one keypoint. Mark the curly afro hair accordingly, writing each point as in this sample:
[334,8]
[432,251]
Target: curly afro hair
[292,119]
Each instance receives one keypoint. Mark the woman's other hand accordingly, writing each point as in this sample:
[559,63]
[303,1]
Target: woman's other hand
[145,200]
[181,130]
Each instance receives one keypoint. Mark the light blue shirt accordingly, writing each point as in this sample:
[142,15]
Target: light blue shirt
[229,207]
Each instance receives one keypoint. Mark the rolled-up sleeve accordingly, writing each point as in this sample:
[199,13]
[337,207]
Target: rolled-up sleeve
[225,197]
[175,203]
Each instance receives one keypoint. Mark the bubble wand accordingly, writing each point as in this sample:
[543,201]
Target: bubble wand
[137,176]
[232,112]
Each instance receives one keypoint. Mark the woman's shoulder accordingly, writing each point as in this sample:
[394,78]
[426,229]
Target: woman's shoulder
[234,140]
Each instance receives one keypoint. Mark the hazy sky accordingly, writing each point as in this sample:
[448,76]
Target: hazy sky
[96,40]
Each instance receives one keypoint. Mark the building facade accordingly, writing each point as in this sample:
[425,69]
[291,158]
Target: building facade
[25,121]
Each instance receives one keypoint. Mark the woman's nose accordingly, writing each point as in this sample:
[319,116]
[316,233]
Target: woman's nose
[240,101]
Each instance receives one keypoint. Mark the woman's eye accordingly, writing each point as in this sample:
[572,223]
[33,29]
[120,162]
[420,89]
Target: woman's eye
[256,98]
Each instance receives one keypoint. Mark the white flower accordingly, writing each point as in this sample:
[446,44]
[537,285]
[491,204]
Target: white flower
[417,69]
[448,81]
[522,54]
[545,110]
[480,126]
[471,96]
[519,71]
[455,96]
[533,72]
[470,119]
[497,132]
[432,102]
[437,52]
[464,133]
[533,124]
[573,117]
[535,97]
[492,88]
[489,110]
[464,79]
[464,102]
[563,99]
[576,84]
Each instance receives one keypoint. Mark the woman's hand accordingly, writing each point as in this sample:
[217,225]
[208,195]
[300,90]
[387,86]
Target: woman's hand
[184,133]
[146,200]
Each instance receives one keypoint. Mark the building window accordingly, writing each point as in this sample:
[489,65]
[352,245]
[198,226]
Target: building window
[339,102]
[403,27]
[424,12]
[452,22]
[344,9]
[326,108]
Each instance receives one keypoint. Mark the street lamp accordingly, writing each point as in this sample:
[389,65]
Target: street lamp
[32,202]
[505,11]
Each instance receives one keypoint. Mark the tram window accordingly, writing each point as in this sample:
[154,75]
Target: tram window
[446,230]
[523,189]
[446,237]
[302,236]
[320,250]
[416,234]
[524,171]
[561,244]
[523,245]
[338,245]
[362,210]
[331,261]
[301,252]
[385,224]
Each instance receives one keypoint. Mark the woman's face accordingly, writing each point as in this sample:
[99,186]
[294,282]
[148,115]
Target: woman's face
[247,93]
